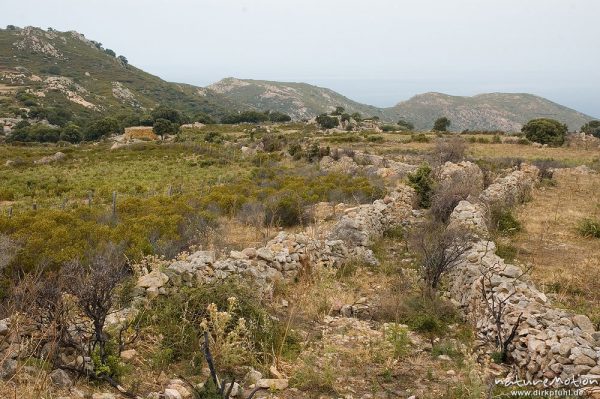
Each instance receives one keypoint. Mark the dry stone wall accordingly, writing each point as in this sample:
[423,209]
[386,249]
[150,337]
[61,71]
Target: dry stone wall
[283,257]
[549,342]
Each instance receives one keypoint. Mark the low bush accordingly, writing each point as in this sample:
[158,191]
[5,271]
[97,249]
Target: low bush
[449,193]
[451,149]
[503,221]
[589,228]
[181,318]
[422,181]
[429,315]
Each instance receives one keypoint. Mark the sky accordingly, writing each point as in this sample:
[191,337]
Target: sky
[377,52]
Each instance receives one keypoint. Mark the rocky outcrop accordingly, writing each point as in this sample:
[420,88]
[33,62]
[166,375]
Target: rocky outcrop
[50,158]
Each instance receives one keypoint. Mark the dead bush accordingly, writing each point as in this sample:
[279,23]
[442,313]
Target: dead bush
[449,193]
[449,149]
[439,250]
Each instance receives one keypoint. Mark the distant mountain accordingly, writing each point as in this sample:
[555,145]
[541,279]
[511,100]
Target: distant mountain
[299,100]
[50,71]
[68,71]
[502,111]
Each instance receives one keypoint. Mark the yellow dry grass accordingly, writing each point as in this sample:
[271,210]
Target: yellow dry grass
[564,262]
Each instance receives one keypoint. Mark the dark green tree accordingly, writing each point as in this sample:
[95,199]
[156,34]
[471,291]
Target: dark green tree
[326,121]
[545,131]
[592,127]
[110,52]
[338,111]
[279,117]
[123,59]
[71,133]
[204,118]
[405,125]
[441,124]
[171,114]
[162,127]
[101,128]
[422,181]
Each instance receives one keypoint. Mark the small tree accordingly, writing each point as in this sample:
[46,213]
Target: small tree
[171,114]
[326,121]
[498,305]
[592,127]
[422,181]
[162,127]
[93,286]
[71,133]
[101,128]
[123,60]
[110,52]
[279,117]
[441,124]
[450,150]
[545,131]
[405,125]
[338,111]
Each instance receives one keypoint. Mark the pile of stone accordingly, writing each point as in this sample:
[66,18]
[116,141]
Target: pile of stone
[549,342]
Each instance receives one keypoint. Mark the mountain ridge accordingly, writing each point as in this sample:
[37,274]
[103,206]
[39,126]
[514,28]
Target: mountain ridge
[67,71]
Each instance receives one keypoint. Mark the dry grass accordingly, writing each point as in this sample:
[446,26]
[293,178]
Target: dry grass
[564,262]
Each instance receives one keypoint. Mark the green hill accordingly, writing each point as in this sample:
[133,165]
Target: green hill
[493,111]
[299,100]
[66,70]
[44,71]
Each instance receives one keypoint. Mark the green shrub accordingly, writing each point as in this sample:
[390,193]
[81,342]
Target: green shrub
[506,252]
[286,209]
[592,127]
[545,131]
[213,137]
[427,314]
[422,181]
[375,138]
[177,318]
[419,138]
[589,228]
[504,222]
[326,121]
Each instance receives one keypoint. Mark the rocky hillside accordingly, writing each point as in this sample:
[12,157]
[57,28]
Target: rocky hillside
[299,100]
[493,111]
[47,70]
[68,71]
[503,111]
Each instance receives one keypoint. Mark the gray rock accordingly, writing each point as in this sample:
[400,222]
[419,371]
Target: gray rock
[584,323]
[172,394]
[8,368]
[265,254]
[61,378]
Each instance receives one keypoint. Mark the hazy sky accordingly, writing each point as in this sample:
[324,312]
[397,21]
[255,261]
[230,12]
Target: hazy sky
[376,51]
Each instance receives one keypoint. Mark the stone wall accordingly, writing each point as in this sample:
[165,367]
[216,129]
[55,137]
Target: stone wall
[283,257]
[549,342]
